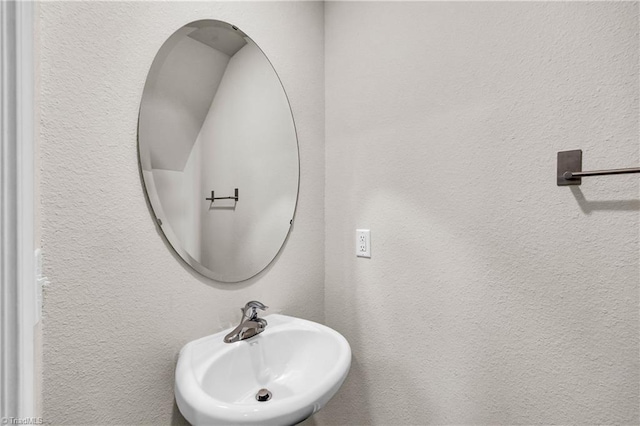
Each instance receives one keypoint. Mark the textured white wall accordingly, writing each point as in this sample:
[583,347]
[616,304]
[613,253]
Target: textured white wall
[120,304]
[492,296]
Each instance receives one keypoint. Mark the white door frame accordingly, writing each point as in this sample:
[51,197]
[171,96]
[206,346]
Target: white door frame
[17,277]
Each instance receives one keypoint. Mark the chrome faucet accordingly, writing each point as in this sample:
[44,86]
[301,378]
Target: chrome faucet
[250,325]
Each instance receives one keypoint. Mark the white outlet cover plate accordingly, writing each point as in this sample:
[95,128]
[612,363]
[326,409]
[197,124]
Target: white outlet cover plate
[363,243]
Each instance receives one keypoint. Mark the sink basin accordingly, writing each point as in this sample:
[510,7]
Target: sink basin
[301,363]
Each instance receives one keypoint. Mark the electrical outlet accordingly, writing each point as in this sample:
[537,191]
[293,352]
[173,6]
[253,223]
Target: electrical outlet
[363,243]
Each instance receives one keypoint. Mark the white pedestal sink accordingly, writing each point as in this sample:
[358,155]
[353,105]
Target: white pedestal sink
[301,363]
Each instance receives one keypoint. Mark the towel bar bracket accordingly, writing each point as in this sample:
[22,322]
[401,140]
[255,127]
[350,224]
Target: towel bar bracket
[569,161]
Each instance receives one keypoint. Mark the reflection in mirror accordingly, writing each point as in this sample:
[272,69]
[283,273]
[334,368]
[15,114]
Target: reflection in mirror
[218,151]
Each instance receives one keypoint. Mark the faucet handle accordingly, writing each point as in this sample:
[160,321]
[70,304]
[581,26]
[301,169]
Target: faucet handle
[250,310]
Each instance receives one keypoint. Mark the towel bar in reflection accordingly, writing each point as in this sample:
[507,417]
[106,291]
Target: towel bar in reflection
[213,197]
[570,169]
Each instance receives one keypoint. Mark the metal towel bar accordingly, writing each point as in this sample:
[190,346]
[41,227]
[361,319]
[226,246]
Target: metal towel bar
[570,169]
[213,198]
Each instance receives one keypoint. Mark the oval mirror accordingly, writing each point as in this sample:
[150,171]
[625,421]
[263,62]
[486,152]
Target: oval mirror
[218,151]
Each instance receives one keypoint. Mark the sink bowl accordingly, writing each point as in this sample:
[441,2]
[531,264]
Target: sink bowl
[301,363]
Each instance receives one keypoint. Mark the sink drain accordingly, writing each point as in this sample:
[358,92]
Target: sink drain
[263,395]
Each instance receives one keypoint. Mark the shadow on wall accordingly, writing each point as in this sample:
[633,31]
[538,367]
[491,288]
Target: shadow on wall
[309,422]
[355,410]
[176,417]
[588,207]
